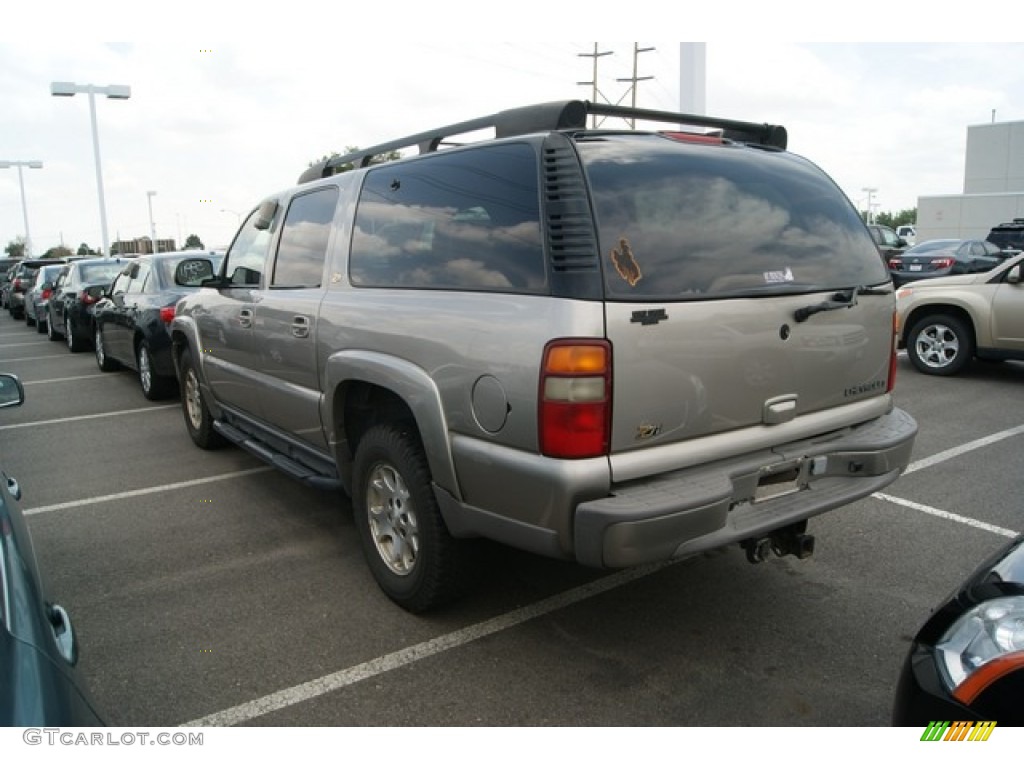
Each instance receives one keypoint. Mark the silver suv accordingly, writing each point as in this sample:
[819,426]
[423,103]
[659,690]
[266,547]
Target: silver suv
[608,346]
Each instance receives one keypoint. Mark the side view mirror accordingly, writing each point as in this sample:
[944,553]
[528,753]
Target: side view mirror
[1013,276]
[12,393]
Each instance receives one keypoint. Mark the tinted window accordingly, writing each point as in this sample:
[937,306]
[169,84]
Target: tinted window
[98,273]
[459,219]
[686,221]
[304,236]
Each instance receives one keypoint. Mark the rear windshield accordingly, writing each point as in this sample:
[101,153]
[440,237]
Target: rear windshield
[100,273]
[689,222]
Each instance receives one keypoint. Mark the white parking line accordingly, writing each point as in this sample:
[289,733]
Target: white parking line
[965,448]
[401,658]
[89,416]
[29,359]
[67,378]
[145,491]
[29,344]
[389,662]
[946,515]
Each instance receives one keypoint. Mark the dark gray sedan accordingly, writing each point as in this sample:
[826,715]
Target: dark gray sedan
[938,258]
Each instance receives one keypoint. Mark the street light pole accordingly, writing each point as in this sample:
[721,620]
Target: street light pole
[870,191]
[19,164]
[152,225]
[111,92]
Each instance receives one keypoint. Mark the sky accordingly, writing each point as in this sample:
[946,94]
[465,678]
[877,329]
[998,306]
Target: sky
[212,128]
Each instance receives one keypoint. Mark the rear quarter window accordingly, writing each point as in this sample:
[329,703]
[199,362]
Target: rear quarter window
[457,220]
[683,221]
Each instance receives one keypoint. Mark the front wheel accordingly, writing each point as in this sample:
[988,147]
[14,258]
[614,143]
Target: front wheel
[413,557]
[940,345]
[198,420]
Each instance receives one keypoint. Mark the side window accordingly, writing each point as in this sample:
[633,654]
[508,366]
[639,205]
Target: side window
[247,255]
[304,236]
[140,277]
[457,220]
[122,281]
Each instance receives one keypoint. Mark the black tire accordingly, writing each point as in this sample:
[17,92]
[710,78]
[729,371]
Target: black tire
[154,386]
[940,345]
[28,320]
[411,554]
[41,325]
[75,344]
[198,420]
[105,363]
[51,333]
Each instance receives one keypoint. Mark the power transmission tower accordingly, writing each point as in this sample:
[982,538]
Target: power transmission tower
[630,91]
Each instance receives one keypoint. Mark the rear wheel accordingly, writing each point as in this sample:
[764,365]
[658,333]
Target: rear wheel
[154,386]
[940,345]
[413,557]
[198,420]
[75,344]
[104,362]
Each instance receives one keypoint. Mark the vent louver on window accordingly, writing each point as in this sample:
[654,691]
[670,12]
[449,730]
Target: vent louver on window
[571,241]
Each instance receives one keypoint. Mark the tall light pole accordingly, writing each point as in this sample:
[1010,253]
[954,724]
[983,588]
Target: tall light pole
[152,225]
[870,191]
[19,164]
[111,92]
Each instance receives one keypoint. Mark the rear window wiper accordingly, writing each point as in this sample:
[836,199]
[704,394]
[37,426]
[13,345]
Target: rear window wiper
[843,299]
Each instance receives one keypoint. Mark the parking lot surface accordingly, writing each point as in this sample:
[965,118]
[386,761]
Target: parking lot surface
[209,590]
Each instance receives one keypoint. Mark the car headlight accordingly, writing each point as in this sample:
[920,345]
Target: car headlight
[983,645]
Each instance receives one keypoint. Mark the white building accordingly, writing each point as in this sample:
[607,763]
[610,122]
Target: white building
[993,186]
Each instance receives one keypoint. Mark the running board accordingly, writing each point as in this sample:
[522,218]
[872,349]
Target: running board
[289,466]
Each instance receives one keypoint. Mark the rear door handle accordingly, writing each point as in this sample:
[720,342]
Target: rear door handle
[300,327]
[245,318]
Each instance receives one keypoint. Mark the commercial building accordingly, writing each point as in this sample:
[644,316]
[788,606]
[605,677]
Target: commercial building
[993,186]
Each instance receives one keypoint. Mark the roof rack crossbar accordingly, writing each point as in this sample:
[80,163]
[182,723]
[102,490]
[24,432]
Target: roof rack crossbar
[550,116]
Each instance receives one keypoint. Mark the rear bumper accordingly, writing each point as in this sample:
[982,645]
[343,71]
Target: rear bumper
[694,510]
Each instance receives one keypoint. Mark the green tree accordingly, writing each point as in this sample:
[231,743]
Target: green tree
[392,155]
[85,250]
[193,241]
[16,248]
[893,220]
[58,252]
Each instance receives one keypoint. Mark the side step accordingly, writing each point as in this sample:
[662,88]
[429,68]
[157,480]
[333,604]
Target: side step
[289,466]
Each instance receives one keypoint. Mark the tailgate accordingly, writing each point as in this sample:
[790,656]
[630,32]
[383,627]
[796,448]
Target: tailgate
[704,368]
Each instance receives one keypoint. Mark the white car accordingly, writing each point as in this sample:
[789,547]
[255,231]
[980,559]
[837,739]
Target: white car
[946,321]
[908,233]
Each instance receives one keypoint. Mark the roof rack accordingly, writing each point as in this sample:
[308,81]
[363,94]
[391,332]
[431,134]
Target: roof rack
[551,116]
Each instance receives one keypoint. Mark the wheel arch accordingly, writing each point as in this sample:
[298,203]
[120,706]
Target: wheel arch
[364,388]
[944,308]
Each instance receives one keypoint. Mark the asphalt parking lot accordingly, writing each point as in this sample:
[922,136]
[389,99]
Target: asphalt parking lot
[209,590]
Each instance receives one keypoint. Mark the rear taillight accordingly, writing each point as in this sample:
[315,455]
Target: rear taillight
[944,263]
[574,414]
[892,352]
[167,313]
[895,264]
[87,298]
[16,284]
[46,293]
